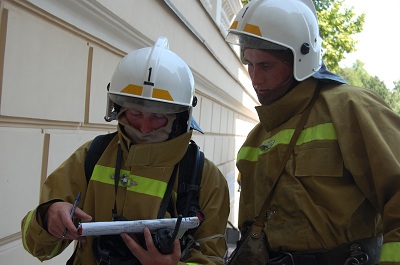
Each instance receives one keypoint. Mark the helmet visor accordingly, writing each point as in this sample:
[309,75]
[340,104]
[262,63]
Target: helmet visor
[146,105]
[252,42]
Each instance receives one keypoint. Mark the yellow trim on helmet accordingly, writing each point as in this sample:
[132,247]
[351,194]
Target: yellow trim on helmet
[162,94]
[133,89]
[234,25]
[253,29]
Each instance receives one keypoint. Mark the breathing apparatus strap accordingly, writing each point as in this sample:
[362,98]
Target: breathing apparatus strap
[116,180]
[168,193]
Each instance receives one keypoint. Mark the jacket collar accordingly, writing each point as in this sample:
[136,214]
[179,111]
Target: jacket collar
[290,105]
[161,154]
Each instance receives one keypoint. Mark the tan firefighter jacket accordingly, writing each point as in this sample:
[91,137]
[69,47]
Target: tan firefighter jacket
[148,167]
[341,183]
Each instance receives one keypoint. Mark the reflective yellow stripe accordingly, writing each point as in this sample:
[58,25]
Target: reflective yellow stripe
[144,185]
[390,252]
[248,153]
[320,132]
[52,254]
[26,225]
[55,251]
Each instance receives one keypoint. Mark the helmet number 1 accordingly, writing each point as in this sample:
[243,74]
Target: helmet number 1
[148,79]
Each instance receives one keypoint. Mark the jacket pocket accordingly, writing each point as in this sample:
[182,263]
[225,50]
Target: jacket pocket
[318,158]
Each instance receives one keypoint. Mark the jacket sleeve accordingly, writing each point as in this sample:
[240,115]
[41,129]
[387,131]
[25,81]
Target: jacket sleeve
[369,138]
[36,240]
[62,185]
[214,202]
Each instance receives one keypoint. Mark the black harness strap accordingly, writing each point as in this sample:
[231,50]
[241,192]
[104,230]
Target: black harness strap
[96,149]
[362,251]
[168,194]
[116,180]
[190,174]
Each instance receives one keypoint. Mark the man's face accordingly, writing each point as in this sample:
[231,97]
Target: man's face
[144,121]
[269,75]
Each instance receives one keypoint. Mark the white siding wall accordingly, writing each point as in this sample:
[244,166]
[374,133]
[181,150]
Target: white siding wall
[56,58]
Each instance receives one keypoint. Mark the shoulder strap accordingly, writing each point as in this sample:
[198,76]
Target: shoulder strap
[96,149]
[166,201]
[190,173]
[259,224]
[187,205]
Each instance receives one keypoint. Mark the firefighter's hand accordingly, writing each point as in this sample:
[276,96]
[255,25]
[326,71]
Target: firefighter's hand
[58,219]
[152,256]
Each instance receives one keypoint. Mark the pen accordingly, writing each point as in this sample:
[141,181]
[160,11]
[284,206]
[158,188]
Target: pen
[73,210]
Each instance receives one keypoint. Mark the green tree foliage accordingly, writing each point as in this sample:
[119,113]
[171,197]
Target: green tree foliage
[358,76]
[337,25]
[395,99]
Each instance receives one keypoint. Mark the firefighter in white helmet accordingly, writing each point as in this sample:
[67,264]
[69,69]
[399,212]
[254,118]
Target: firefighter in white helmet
[336,200]
[151,95]
[154,80]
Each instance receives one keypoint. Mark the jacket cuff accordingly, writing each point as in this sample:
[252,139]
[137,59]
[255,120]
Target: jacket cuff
[38,225]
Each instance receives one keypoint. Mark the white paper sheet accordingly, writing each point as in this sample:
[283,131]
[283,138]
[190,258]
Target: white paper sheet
[118,227]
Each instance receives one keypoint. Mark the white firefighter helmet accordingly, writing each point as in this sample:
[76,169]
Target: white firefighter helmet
[280,25]
[153,79]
